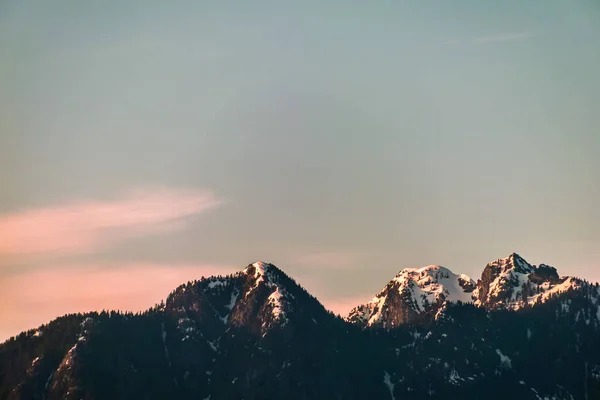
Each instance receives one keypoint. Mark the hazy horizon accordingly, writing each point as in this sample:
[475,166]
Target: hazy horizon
[146,144]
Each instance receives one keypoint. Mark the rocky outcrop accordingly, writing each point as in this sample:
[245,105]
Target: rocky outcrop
[413,297]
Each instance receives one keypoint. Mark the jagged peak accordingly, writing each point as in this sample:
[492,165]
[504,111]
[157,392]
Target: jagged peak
[267,274]
[261,268]
[512,256]
[259,296]
[261,272]
[258,267]
[258,270]
[512,282]
[513,261]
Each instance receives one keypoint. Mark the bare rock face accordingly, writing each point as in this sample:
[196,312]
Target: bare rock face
[513,283]
[500,282]
[545,273]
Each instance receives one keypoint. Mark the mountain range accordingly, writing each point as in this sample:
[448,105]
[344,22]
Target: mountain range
[519,331]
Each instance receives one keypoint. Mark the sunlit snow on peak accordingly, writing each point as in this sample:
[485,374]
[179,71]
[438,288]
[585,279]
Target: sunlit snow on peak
[420,289]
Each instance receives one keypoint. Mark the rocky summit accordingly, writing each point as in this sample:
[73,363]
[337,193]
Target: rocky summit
[519,331]
[415,296]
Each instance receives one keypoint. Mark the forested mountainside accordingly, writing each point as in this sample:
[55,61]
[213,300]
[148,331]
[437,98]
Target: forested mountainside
[520,331]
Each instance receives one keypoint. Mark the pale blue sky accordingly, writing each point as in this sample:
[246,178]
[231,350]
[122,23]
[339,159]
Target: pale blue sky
[393,134]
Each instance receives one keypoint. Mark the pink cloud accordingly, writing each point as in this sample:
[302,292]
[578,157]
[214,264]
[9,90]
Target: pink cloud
[30,299]
[91,225]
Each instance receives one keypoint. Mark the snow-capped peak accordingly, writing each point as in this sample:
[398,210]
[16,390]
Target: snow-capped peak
[413,292]
[268,275]
[258,268]
[512,282]
[514,262]
[258,297]
[436,282]
[419,294]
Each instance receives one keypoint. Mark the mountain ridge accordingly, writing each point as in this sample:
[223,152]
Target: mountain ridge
[415,295]
[257,334]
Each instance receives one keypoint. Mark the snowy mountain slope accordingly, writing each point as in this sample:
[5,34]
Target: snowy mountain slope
[419,295]
[411,294]
[513,283]
[260,298]
[279,299]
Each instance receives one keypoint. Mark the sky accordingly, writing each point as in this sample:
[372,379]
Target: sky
[145,144]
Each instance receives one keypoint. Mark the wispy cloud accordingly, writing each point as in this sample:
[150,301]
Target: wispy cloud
[32,298]
[92,225]
[502,37]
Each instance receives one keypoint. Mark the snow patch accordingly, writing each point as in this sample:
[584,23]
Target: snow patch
[432,283]
[275,300]
[212,345]
[216,282]
[233,300]
[48,380]
[568,284]
[504,360]
[379,303]
[260,269]
[69,359]
[454,377]
[388,382]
